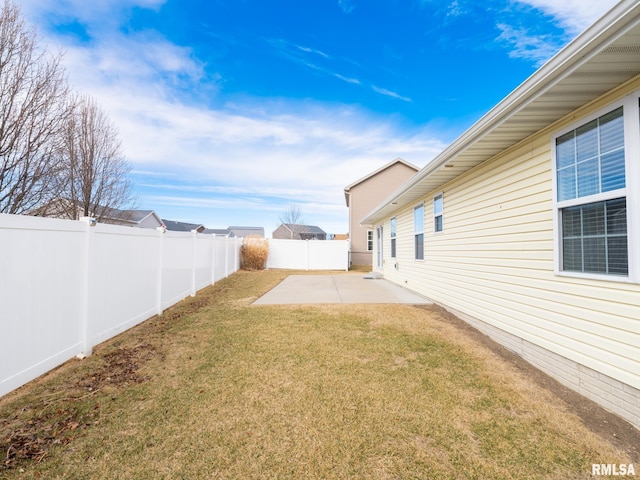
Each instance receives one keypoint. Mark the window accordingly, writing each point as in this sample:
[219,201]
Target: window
[437,213]
[591,195]
[369,240]
[393,237]
[594,237]
[590,159]
[418,232]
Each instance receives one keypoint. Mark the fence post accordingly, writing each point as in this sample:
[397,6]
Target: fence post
[213,260]
[348,246]
[194,260]
[236,246]
[226,256]
[85,343]
[307,256]
[161,231]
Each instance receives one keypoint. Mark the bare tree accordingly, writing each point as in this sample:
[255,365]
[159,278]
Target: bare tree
[33,110]
[95,172]
[292,217]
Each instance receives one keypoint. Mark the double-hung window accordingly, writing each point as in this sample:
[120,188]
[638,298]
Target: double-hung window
[369,240]
[591,194]
[418,231]
[393,237]
[437,213]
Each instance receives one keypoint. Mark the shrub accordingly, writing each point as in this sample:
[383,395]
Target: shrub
[254,253]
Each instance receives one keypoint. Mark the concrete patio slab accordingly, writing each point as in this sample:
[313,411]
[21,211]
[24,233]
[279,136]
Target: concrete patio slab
[344,288]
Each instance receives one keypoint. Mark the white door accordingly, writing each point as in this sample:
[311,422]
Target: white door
[379,246]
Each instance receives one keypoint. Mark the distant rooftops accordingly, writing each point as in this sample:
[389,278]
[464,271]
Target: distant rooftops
[233,231]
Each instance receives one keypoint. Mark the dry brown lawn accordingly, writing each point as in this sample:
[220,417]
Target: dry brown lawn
[218,388]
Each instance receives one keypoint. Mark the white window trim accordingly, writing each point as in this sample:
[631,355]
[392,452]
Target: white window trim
[370,242]
[631,115]
[438,232]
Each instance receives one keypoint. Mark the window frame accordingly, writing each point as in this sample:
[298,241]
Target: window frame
[393,225]
[418,233]
[630,192]
[369,240]
[439,214]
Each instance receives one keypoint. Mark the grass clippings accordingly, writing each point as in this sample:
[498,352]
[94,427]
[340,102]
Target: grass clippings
[218,388]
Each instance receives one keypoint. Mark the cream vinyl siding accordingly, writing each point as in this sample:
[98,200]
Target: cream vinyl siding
[494,261]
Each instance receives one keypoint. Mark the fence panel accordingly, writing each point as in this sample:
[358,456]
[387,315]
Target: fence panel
[124,265]
[308,254]
[291,254]
[328,255]
[203,261]
[221,265]
[177,262]
[41,279]
[66,286]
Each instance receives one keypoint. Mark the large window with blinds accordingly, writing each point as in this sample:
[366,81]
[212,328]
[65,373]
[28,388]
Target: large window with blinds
[393,237]
[437,213]
[591,196]
[418,232]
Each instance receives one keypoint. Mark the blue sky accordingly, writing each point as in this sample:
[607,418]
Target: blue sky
[230,111]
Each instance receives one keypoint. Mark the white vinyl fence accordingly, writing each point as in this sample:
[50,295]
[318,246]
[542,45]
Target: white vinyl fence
[66,286]
[308,254]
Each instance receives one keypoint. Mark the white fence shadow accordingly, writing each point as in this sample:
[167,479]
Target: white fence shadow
[66,286]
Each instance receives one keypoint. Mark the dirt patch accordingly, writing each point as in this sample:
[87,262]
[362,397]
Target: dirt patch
[121,367]
[605,424]
[59,416]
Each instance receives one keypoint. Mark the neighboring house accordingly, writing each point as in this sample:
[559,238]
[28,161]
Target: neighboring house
[528,225]
[176,226]
[63,208]
[363,195]
[237,231]
[134,218]
[246,232]
[299,232]
[216,231]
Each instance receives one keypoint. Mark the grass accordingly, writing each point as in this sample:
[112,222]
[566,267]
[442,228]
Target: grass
[217,388]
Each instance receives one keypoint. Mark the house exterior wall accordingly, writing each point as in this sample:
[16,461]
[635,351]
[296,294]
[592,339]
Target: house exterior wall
[364,197]
[493,265]
[282,232]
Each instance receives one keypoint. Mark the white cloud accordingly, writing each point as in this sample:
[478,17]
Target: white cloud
[524,44]
[525,37]
[196,163]
[389,93]
[573,15]
[96,14]
[293,152]
[347,6]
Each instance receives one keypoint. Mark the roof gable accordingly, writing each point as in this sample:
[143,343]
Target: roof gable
[380,170]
